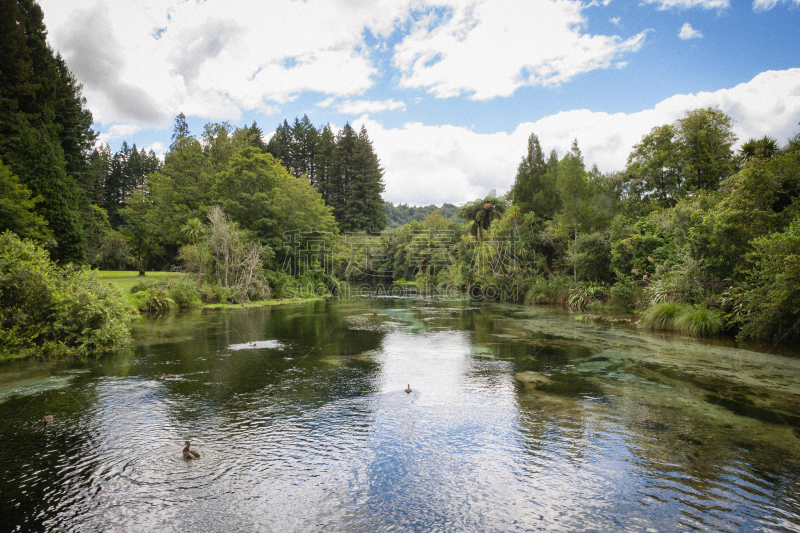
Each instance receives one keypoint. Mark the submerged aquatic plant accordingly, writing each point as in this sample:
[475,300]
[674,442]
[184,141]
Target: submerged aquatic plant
[699,322]
[662,316]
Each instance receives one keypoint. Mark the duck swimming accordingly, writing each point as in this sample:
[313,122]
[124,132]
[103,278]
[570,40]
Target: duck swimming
[408,389]
[190,454]
[168,376]
[47,419]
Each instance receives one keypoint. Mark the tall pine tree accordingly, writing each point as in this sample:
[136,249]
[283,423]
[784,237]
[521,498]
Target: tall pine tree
[45,131]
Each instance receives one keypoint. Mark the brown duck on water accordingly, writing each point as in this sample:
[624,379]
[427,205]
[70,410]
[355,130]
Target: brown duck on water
[190,454]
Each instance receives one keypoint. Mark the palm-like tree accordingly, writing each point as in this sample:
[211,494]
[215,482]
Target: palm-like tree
[480,213]
[194,230]
[765,148]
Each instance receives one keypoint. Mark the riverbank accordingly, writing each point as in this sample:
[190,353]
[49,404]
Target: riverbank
[125,281]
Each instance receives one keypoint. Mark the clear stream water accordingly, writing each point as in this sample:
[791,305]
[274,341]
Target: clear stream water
[520,419]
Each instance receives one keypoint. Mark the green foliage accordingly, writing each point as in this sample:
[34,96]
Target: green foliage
[235,260]
[583,294]
[699,322]
[593,259]
[662,316]
[480,213]
[183,291]
[773,301]
[653,168]
[212,293]
[625,294]
[534,189]
[47,311]
[45,129]
[17,209]
[705,141]
[143,228]
[402,214]
[344,169]
[547,290]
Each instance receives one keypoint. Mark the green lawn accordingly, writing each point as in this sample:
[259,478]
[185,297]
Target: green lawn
[116,274]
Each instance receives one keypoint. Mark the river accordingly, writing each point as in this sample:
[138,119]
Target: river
[520,419]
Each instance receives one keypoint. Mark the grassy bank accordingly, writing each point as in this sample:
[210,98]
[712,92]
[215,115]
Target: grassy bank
[126,279]
[173,290]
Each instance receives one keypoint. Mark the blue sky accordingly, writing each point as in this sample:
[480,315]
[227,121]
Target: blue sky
[449,90]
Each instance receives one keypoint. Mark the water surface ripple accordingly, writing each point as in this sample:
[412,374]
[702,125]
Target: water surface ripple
[520,419]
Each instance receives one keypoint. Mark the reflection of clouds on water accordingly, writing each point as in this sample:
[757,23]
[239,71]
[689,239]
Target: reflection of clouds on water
[520,419]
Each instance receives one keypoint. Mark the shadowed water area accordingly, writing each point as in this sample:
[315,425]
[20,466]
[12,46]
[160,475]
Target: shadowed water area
[520,419]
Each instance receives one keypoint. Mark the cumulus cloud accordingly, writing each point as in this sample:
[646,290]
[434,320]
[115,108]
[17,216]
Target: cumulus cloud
[687,32]
[158,148]
[147,60]
[436,164]
[97,59]
[491,49]
[117,131]
[358,107]
[688,4]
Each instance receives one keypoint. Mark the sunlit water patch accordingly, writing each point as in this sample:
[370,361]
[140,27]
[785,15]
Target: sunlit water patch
[519,419]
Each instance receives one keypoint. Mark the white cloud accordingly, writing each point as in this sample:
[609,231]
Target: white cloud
[325,103]
[359,107]
[436,164]
[117,131]
[145,61]
[158,148]
[491,49]
[616,22]
[766,5]
[687,32]
[688,4]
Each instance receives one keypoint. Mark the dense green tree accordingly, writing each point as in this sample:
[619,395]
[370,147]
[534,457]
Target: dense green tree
[180,133]
[182,188]
[480,213]
[17,209]
[303,148]
[402,214]
[339,184]
[280,145]
[258,193]
[93,182]
[573,190]
[48,311]
[705,142]
[46,177]
[44,127]
[653,168]
[765,148]
[255,137]
[144,229]
[364,207]
[129,169]
[325,163]
[773,303]
[74,120]
[534,187]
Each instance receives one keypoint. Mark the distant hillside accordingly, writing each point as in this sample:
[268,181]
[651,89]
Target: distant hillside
[402,214]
